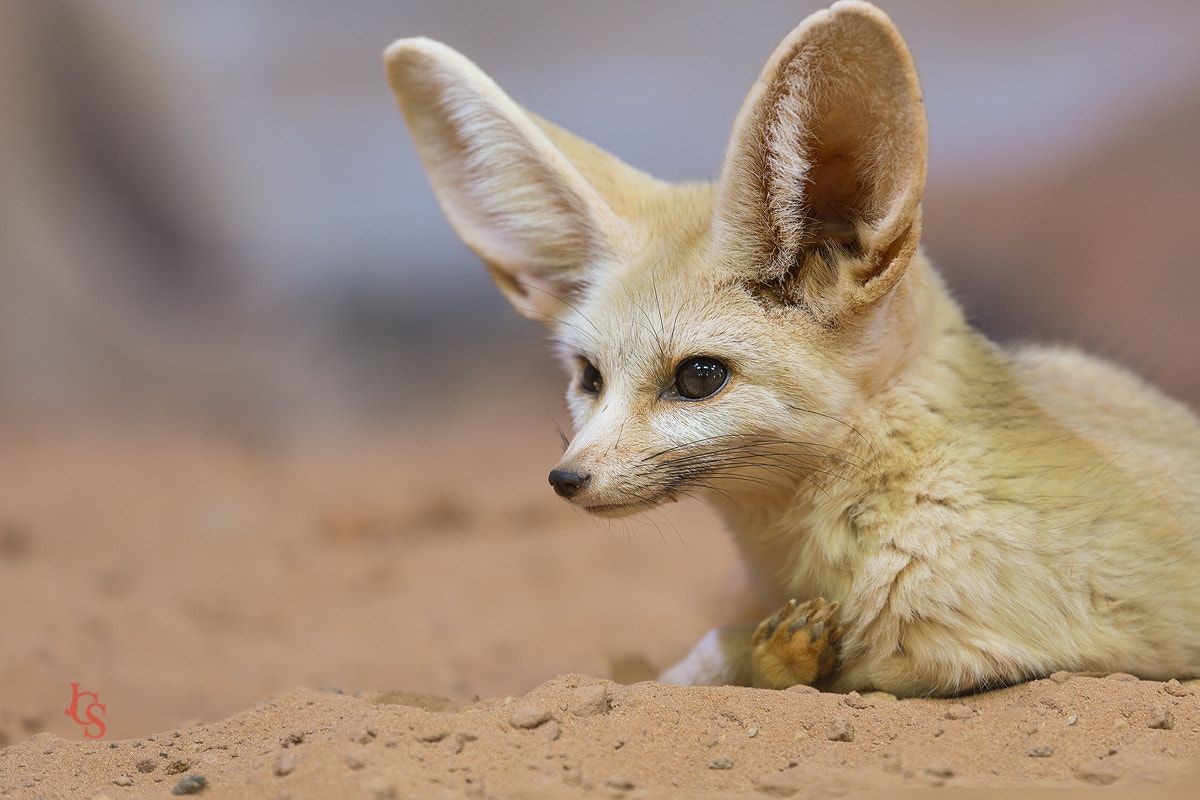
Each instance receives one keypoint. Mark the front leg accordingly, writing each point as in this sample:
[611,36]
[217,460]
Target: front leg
[720,658]
[798,644]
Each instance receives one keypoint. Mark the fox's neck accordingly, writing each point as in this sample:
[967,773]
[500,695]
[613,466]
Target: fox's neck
[924,347]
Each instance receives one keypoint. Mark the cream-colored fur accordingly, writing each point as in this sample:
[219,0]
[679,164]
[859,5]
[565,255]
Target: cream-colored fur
[983,515]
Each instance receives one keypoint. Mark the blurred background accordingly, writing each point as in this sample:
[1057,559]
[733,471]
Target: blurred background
[212,206]
[245,365]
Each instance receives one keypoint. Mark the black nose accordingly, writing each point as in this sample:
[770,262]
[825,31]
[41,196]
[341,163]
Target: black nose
[567,483]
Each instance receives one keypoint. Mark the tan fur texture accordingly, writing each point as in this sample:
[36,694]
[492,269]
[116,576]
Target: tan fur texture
[981,515]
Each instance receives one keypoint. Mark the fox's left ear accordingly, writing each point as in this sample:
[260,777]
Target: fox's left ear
[526,196]
[821,190]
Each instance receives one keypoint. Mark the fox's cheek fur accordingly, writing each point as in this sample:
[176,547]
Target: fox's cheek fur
[638,448]
[790,381]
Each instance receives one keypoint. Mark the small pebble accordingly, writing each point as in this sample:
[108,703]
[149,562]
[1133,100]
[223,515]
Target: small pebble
[1120,676]
[725,762]
[1161,719]
[432,735]
[192,783]
[841,731]
[285,763]
[855,700]
[124,780]
[588,701]
[382,789]
[959,711]
[355,761]
[363,736]
[801,688]
[1177,689]
[176,767]
[1071,720]
[1041,751]
[1098,772]
[1060,676]
[292,738]
[147,765]
[552,730]
[781,784]
[752,732]
[620,783]
[529,715]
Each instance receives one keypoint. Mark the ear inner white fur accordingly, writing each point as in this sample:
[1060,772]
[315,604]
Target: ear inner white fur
[511,194]
[824,172]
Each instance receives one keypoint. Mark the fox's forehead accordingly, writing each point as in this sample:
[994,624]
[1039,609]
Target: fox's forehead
[649,317]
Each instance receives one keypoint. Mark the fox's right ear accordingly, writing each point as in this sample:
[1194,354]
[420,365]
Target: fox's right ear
[507,188]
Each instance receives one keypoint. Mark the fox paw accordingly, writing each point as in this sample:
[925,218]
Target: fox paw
[797,644]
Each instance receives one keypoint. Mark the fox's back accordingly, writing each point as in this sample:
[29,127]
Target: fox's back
[1142,556]
[1153,438]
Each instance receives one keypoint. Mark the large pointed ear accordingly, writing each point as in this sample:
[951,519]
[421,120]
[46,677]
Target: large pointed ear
[820,195]
[509,190]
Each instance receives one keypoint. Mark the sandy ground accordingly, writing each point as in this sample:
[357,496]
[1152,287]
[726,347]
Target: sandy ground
[577,736]
[402,574]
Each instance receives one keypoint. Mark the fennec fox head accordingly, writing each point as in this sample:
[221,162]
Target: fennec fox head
[714,334]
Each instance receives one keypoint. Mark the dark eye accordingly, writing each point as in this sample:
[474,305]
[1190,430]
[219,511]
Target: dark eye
[700,377]
[591,381]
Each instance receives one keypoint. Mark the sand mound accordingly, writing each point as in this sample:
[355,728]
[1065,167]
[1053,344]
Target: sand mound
[577,736]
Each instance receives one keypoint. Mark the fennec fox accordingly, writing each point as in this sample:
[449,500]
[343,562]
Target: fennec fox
[952,515]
